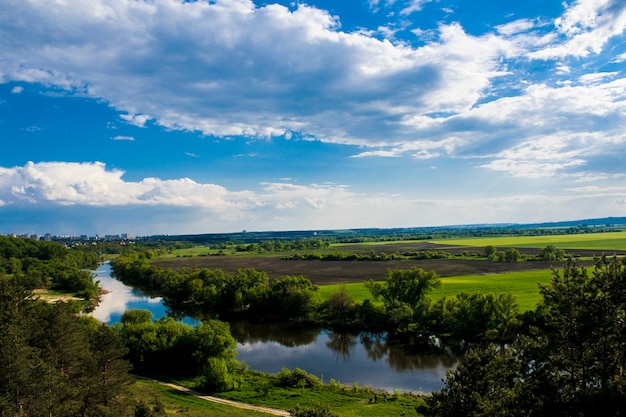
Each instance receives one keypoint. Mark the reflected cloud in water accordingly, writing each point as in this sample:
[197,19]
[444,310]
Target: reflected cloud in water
[119,298]
[372,360]
[375,360]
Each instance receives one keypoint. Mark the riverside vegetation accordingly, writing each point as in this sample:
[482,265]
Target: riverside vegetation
[565,357]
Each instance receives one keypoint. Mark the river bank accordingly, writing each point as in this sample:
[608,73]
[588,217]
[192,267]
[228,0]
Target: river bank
[372,359]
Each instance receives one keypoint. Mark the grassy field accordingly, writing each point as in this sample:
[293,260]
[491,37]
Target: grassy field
[348,401]
[256,389]
[522,284]
[595,241]
[178,403]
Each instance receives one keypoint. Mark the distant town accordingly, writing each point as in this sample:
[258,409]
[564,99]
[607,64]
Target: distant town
[48,237]
[569,226]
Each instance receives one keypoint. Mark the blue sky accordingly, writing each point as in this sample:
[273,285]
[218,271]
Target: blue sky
[170,116]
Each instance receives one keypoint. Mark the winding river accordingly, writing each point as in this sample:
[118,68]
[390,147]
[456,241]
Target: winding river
[375,360]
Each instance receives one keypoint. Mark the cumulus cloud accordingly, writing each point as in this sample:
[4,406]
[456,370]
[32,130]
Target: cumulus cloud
[231,68]
[90,198]
[586,26]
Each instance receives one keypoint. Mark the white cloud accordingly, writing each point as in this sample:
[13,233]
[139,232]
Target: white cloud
[138,120]
[17,89]
[65,192]
[587,26]
[413,6]
[516,27]
[230,68]
[123,138]
[254,71]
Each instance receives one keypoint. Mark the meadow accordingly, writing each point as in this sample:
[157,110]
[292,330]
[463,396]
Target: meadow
[460,273]
[257,389]
[603,241]
[524,285]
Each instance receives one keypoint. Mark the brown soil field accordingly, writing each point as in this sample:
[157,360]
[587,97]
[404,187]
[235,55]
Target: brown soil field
[332,272]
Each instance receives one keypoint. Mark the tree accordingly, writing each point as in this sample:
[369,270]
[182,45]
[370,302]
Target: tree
[570,361]
[340,306]
[408,286]
[291,297]
[53,362]
[490,252]
[551,253]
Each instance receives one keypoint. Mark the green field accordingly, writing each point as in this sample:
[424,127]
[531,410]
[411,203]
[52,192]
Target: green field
[522,284]
[256,389]
[177,403]
[601,241]
[347,400]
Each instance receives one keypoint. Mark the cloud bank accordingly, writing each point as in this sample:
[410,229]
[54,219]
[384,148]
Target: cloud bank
[76,192]
[232,68]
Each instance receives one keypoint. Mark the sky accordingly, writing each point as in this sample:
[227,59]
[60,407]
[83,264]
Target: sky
[175,117]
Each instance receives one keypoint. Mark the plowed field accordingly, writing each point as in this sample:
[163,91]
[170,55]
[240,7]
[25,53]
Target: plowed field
[332,272]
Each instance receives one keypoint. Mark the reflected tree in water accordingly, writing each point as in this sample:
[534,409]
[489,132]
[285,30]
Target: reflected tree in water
[342,344]
[282,334]
[375,345]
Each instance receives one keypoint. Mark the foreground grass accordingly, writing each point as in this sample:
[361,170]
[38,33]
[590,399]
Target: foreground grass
[256,388]
[176,403]
[594,241]
[348,401]
[524,285]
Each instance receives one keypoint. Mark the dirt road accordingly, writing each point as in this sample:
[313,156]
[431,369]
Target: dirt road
[266,410]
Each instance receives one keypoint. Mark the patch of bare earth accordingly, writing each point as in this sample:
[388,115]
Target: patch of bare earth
[332,272]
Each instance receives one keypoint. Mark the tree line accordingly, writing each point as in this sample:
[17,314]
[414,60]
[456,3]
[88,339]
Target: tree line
[249,295]
[55,361]
[568,360]
[49,265]
[490,253]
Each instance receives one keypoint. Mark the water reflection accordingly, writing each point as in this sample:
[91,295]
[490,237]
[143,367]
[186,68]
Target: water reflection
[284,334]
[376,360]
[342,344]
[119,298]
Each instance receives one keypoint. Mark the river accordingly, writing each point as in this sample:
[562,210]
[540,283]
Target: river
[375,360]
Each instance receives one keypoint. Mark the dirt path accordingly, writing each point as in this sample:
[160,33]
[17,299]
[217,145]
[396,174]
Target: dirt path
[266,410]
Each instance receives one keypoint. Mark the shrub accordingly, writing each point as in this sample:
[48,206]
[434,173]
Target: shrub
[296,378]
[317,410]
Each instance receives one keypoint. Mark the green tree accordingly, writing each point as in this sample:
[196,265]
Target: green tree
[408,286]
[490,252]
[340,306]
[570,361]
[551,253]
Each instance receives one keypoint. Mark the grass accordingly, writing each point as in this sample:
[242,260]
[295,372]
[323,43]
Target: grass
[522,284]
[178,403]
[600,241]
[348,401]
[52,296]
[256,388]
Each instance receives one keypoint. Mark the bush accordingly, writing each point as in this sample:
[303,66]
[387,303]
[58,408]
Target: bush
[317,410]
[296,378]
[216,375]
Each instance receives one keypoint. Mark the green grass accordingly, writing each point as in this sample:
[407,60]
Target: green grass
[178,403]
[522,284]
[348,401]
[357,291]
[600,241]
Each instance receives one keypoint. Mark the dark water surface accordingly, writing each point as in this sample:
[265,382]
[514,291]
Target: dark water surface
[375,360]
